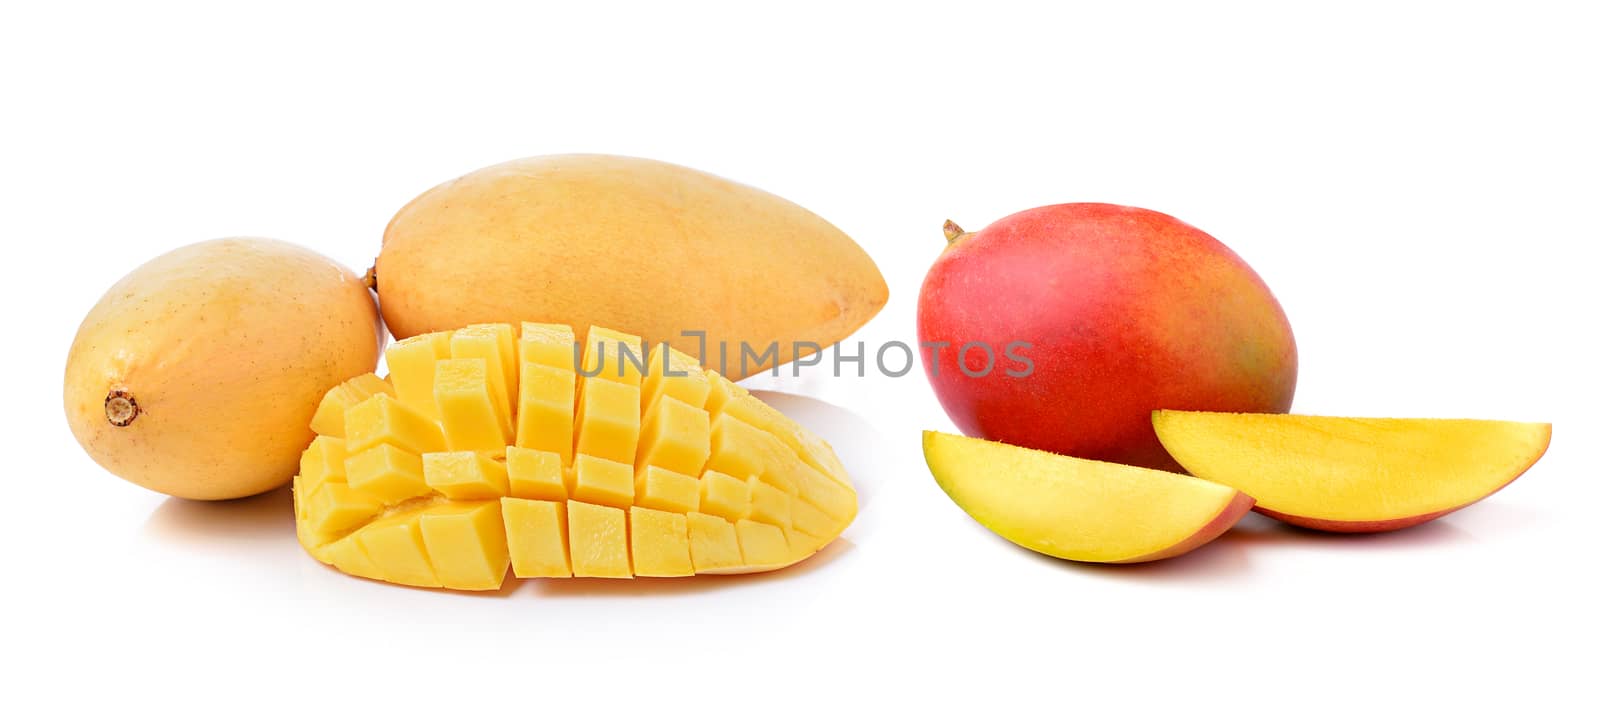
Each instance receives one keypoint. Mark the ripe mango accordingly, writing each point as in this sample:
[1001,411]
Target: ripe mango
[590,477]
[197,374]
[644,246]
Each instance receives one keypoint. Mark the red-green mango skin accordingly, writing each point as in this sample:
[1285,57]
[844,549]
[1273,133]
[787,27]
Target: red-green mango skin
[1127,311]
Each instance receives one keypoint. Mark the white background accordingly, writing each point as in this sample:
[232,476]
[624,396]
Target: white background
[1417,183]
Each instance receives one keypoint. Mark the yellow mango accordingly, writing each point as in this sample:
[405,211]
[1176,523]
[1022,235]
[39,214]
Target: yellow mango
[536,534]
[381,420]
[411,366]
[535,474]
[466,544]
[656,488]
[545,409]
[444,501]
[198,374]
[586,239]
[660,543]
[599,541]
[329,418]
[472,415]
[608,419]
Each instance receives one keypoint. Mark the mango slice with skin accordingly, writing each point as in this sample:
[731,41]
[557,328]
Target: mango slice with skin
[666,472]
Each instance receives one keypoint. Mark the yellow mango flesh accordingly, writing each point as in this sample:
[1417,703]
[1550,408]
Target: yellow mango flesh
[597,479]
[1072,508]
[479,249]
[1352,474]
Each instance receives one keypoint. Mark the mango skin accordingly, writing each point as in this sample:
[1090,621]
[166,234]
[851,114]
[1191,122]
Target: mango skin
[226,347]
[1123,311]
[637,245]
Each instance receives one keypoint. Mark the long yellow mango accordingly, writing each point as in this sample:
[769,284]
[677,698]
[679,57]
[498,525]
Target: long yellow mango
[643,246]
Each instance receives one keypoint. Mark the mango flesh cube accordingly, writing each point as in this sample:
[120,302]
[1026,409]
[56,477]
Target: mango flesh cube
[713,543]
[656,488]
[322,461]
[465,475]
[329,418]
[808,519]
[471,417]
[395,546]
[675,436]
[724,496]
[660,543]
[770,505]
[535,474]
[608,420]
[386,472]
[599,541]
[762,545]
[490,454]
[545,409]
[347,555]
[335,508]
[466,544]
[411,366]
[497,347]
[811,449]
[600,481]
[536,536]
[674,374]
[383,420]
[614,356]
[548,344]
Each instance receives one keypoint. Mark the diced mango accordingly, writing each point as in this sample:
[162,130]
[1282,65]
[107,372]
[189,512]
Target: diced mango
[383,420]
[762,545]
[466,475]
[552,345]
[600,481]
[411,365]
[740,449]
[656,488]
[832,498]
[347,555]
[770,505]
[813,450]
[608,420]
[599,541]
[466,544]
[631,471]
[713,543]
[802,545]
[720,392]
[535,474]
[536,536]
[496,345]
[675,436]
[614,356]
[468,411]
[386,472]
[545,409]
[329,418]
[322,461]
[674,374]
[724,496]
[810,520]
[336,508]
[660,543]
[395,546]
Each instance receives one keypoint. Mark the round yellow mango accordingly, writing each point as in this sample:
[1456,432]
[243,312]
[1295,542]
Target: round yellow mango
[197,374]
[637,245]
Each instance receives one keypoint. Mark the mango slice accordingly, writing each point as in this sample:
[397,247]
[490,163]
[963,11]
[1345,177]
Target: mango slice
[540,455]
